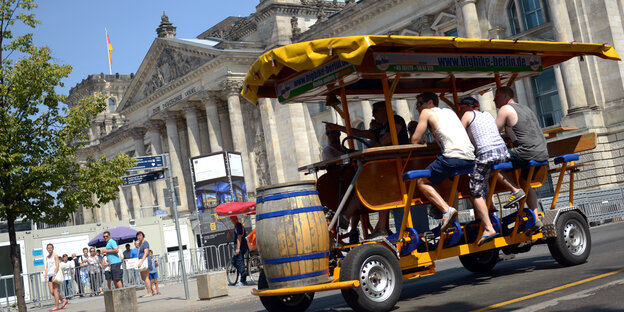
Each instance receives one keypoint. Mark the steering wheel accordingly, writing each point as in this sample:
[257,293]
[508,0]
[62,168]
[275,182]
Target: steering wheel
[359,139]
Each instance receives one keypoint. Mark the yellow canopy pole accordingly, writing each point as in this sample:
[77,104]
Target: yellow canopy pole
[389,110]
[346,116]
[512,79]
[498,80]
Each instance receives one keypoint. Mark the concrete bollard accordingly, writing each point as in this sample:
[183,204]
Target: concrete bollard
[212,285]
[121,300]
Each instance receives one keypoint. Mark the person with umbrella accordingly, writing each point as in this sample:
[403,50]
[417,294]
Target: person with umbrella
[112,255]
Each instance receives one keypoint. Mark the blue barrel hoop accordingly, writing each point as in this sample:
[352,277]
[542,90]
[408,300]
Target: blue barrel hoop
[280,213]
[262,199]
[298,276]
[296,258]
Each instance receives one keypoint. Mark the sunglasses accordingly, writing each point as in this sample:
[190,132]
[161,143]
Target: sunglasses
[105,236]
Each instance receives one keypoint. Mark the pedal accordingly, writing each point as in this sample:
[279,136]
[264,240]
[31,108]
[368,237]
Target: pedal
[428,236]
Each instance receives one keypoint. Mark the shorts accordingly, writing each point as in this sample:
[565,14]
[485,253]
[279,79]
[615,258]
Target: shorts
[153,276]
[520,163]
[442,168]
[108,275]
[50,278]
[482,168]
[116,272]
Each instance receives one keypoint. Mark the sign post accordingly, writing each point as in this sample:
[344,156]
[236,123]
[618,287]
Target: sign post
[174,205]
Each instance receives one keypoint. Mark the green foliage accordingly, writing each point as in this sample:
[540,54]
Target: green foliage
[41,178]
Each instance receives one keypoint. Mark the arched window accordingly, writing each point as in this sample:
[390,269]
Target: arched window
[112,105]
[527,14]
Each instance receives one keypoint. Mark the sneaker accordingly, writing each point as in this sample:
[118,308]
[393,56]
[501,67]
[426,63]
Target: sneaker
[447,218]
[514,198]
[537,227]
[354,236]
[378,233]
[240,284]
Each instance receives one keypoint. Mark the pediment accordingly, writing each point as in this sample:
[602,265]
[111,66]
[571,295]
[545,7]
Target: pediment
[166,62]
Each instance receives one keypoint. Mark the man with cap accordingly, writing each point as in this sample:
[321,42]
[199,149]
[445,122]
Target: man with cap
[240,243]
[490,149]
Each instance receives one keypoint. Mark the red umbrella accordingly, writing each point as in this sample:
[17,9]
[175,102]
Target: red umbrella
[236,208]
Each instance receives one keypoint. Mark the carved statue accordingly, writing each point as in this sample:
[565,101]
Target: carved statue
[170,65]
[294,24]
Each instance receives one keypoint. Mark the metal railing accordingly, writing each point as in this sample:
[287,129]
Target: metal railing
[598,205]
[90,280]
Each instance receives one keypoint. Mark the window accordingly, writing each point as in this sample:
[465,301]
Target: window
[532,13]
[547,101]
[112,106]
[451,33]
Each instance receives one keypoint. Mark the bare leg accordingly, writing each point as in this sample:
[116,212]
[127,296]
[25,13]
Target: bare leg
[507,182]
[145,278]
[425,187]
[156,285]
[482,213]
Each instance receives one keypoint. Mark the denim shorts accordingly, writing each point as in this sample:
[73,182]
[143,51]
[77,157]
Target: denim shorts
[442,168]
[153,276]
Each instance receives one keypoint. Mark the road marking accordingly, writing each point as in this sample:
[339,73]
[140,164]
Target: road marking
[537,294]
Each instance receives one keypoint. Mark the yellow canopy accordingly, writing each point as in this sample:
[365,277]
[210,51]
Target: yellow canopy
[284,62]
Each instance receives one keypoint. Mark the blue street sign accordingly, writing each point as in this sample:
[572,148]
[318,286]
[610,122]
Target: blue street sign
[148,162]
[144,177]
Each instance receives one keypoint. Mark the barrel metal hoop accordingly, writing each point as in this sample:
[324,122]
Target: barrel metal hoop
[281,213]
[296,258]
[298,276]
[285,195]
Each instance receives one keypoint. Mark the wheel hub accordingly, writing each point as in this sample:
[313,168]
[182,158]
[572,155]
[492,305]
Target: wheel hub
[376,280]
[574,238]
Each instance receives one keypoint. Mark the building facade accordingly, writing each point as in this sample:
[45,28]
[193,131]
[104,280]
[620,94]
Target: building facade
[184,99]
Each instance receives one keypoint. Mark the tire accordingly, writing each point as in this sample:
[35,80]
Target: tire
[380,276]
[480,262]
[232,274]
[573,242]
[254,266]
[292,303]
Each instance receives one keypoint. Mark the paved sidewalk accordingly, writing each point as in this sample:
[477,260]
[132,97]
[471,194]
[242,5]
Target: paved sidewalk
[170,299]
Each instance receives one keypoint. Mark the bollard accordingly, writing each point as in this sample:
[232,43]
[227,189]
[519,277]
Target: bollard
[121,299]
[212,285]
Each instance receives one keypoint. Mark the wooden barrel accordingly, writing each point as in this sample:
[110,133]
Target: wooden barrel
[292,235]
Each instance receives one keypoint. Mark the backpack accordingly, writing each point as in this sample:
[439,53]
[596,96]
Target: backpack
[251,240]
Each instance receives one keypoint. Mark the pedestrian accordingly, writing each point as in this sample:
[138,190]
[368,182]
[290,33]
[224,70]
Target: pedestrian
[143,253]
[153,272]
[76,260]
[113,261]
[94,269]
[67,267]
[51,270]
[240,243]
[127,253]
[84,271]
[134,253]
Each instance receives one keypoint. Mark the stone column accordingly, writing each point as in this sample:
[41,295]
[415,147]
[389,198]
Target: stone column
[123,205]
[142,191]
[561,90]
[171,120]
[214,126]
[367,113]
[203,132]
[402,109]
[570,70]
[154,134]
[271,139]
[192,128]
[225,125]
[233,88]
[471,19]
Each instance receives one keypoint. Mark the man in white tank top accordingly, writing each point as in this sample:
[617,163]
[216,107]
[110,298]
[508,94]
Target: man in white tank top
[457,151]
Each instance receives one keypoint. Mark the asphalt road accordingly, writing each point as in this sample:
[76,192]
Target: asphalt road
[531,281]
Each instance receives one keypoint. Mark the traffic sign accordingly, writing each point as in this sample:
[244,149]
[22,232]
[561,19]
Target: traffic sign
[143,177]
[148,162]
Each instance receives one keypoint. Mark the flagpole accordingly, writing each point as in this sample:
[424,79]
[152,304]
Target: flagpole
[108,52]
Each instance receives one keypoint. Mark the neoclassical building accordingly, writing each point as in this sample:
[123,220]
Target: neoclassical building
[184,99]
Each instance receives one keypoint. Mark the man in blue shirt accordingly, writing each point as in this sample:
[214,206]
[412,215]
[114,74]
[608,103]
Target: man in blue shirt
[112,255]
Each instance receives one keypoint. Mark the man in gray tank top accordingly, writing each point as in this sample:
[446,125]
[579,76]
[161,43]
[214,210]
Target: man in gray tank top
[521,125]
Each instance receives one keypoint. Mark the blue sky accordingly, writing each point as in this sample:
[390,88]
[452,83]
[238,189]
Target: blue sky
[74,29]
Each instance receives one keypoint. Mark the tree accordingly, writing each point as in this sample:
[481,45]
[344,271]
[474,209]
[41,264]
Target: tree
[40,176]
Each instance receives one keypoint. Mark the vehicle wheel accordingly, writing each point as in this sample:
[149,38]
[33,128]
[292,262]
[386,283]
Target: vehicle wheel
[254,266]
[292,303]
[573,242]
[380,276]
[232,274]
[480,262]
